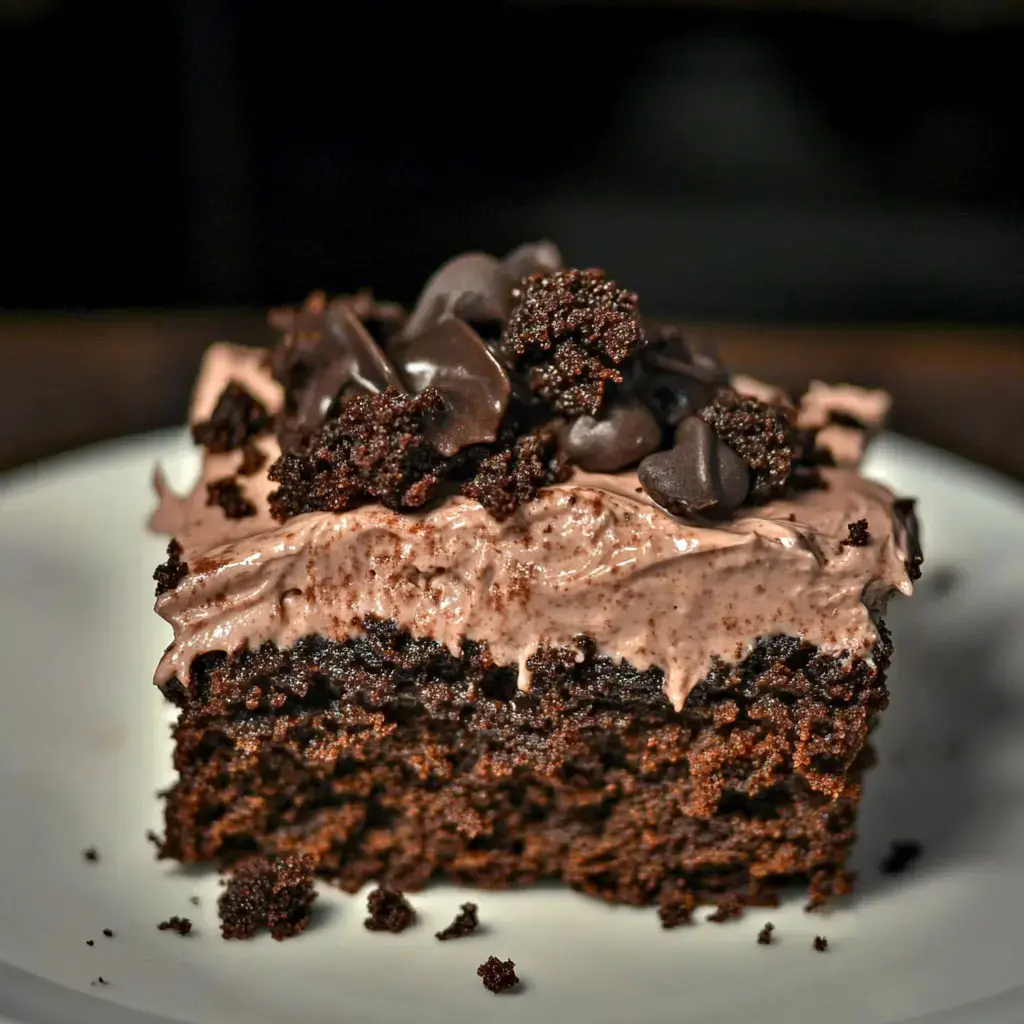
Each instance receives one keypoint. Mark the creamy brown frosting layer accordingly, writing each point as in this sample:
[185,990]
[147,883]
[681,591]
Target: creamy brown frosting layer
[592,555]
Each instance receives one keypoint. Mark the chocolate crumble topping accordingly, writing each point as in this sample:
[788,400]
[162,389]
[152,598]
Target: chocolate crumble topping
[858,535]
[253,460]
[465,923]
[902,853]
[170,573]
[508,478]
[569,332]
[277,895]
[764,936]
[498,975]
[820,943]
[375,448]
[181,925]
[389,910]
[227,494]
[236,418]
[759,433]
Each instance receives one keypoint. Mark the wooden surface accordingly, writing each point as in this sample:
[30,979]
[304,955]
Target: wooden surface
[71,379]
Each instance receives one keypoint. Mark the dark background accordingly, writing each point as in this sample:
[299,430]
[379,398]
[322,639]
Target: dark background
[740,162]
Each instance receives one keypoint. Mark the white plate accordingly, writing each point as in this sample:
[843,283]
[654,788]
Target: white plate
[84,747]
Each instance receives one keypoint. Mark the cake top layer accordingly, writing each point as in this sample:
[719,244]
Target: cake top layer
[522,434]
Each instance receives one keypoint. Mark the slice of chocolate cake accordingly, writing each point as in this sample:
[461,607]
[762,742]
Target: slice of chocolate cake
[524,586]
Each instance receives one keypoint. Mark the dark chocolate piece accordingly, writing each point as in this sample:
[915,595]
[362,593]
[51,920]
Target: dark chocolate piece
[452,357]
[498,975]
[277,895]
[235,419]
[904,511]
[569,332]
[901,855]
[671,352]
[529,259]
[760,434]
[465,923]
[170,573]
[618,437]
[389,910]
[701,475]
[470,286]
[181,925]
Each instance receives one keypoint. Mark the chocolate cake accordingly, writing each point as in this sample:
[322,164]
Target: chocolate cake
[524,585]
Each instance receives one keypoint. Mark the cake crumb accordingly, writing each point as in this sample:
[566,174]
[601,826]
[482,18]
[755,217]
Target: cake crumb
[820,943]
[108,932]
[675,906]
[498,975]
[236,418]
[858,535]
[152,837]
[227,495]
[389,910]
[90,942]
[274,894]
[764,936]
[100,981]
[91,855]
[728,908]
[465,923]
[902,854]
[194,900]
[253,460]
[170,573]
[181,925]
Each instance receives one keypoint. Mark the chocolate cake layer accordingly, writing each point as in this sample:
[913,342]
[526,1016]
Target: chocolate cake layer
[388,758]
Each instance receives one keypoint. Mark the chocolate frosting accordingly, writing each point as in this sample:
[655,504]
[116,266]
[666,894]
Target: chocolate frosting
[452,357]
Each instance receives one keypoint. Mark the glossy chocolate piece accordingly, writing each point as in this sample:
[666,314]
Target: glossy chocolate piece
[699,476]
[470,286]
[618,438]
[451,357]
[531,258]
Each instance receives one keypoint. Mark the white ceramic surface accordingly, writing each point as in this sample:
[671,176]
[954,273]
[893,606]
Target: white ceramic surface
[84,747]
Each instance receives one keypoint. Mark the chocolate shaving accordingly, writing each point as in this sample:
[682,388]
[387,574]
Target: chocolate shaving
[569,332]
[529,259]
[235,419]
[701,475]
[471,287]
[451,357]
[906,517]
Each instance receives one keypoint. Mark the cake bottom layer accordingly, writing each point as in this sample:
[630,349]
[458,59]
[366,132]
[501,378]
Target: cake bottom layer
[387,758]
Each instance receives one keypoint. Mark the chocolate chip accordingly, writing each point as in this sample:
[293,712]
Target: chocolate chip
[470,286]
[451,357]
[619,437]
[700,475]
[531,258]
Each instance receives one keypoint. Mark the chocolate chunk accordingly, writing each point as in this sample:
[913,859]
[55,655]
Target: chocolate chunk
[531,258]
[568,333]
[906,517]
[470,286]
[452,357]
[619,437]
[699,476]
[235,419]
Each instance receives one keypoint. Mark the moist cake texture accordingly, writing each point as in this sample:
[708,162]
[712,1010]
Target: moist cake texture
[525,586]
